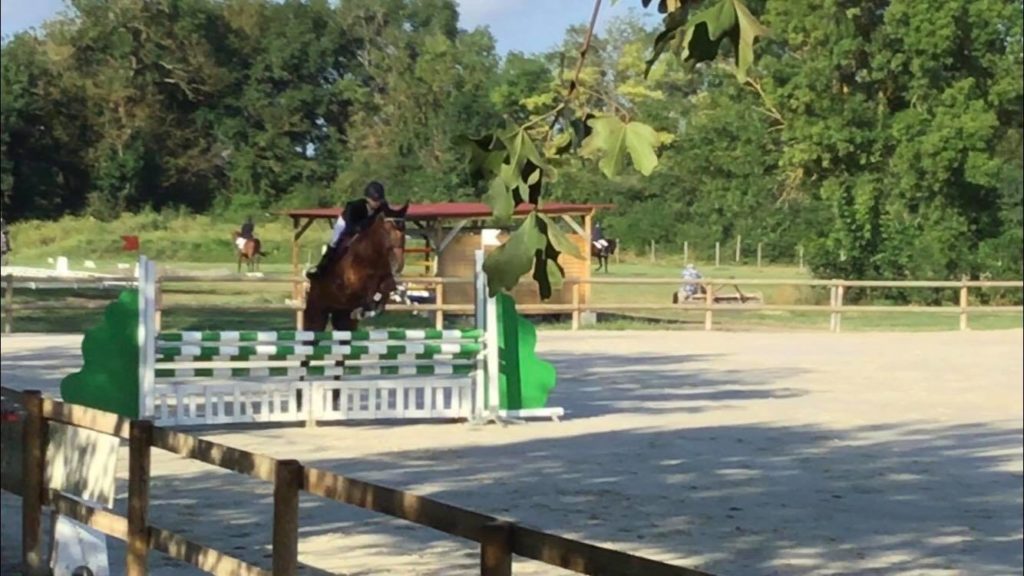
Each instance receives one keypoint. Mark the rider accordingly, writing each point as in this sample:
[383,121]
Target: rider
[597,237]
[247,233]
[354,218]
[691,273]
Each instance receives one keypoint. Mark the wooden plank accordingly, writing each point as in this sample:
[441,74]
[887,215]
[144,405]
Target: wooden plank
[233,459]
[141,438]
[587,558]
[417,509]
[113,525]
[202,557]
[288,479]
[84,417]
[32,465]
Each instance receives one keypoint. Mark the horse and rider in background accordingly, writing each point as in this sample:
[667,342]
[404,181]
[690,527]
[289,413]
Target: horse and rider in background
[601,247]
[248,246]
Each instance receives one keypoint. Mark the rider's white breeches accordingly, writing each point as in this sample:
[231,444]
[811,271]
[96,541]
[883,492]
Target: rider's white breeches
[339,227]
[240,242]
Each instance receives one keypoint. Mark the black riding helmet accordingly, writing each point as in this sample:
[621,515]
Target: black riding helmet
[374,191]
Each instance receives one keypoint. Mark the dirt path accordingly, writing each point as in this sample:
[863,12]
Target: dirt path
[736,453]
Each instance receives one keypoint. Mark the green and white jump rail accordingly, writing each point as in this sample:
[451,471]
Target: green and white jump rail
[222,377]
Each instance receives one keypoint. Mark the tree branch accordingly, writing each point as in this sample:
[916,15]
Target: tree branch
[583,56]
[770,109]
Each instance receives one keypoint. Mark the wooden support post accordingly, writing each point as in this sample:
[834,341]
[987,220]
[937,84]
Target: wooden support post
[800,251]
[140,439]
[496,549]
[9,304]
[832,307]
[575,305]
[439,300]
[686,252]
[158,302]
[287,483]
[758,254]
[718,254]
[33,461]
[839,307]
[709,302]
[654,257]
[739,243]
[963,304]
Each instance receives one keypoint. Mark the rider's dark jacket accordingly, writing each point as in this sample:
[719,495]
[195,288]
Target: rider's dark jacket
[358,215]
[247,230]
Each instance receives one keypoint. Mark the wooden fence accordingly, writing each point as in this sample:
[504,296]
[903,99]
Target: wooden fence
[835,309]
[499,540]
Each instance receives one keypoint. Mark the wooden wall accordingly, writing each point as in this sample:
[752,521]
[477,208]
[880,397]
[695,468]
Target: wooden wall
[457,261]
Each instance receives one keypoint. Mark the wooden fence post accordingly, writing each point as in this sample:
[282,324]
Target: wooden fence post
[140,439]
[496,549]
[158,309]
[800,250]
[288,480]
[439,301]
[576,306]
[832,307]
[9,304]
[653,257]
[709,300]
[963,304]
[839,307]
[718,254]
[758,254]
[739,243]
[33,461]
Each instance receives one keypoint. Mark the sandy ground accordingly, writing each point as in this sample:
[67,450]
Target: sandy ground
[735,453]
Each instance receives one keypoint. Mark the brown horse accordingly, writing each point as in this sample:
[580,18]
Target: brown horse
[251,252]
[358,284]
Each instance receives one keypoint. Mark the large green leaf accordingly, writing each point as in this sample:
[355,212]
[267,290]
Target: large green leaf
[508,262]
[548,273]
[521,148]
[559,240]
[499,198]
[674,21]
[700,38]
[749,30]
[485,153]
[612,139]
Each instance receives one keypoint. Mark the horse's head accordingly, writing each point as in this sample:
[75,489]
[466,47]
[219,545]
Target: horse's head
[395,223]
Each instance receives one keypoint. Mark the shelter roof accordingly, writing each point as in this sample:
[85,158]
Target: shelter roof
[458,210]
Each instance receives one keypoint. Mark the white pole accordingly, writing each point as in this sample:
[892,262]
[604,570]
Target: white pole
[486,398]
[147,336]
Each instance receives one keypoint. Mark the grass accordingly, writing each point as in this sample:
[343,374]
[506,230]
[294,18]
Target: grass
[202,244]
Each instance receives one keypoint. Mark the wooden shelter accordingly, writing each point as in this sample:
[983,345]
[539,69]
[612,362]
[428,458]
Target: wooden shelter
[453,231]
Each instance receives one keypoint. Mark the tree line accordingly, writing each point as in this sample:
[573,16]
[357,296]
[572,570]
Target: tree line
[883,137]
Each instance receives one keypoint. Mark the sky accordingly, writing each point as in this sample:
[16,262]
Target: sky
[523,25]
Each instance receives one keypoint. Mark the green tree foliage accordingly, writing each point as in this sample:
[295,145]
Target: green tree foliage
[884,137]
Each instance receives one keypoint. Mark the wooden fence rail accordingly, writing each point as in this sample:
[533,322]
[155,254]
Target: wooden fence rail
[499,539]
[836,307]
